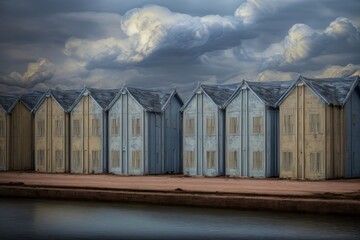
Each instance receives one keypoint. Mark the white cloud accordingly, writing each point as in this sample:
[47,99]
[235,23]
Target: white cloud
[37,72]
[156,31]
[303,43]
[253,10]
[340,71]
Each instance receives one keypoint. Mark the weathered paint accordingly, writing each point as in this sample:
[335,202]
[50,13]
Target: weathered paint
[244,107]
[333,142]
[21,143]
[200,108]
[85,111]
[171,123]
[124,110]
[4,140]
[157,142]
[352,156]
[52,142]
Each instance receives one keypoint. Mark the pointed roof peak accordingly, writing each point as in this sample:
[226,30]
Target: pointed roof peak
[8,101]
[220,93]
[269,92]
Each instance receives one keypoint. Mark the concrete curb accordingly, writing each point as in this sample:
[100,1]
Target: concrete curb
[218,200]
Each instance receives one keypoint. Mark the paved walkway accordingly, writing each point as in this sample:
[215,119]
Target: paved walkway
[188,184]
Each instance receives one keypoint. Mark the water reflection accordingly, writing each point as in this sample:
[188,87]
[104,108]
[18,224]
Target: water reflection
[49,219]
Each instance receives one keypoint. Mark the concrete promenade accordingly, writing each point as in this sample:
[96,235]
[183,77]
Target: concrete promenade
[331,196]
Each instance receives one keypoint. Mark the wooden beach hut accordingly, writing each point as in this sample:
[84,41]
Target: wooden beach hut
[145,132]
[7,103]
[22,132]
[320,129]
[204,130]
[252,135]
[52,129]
[88,131]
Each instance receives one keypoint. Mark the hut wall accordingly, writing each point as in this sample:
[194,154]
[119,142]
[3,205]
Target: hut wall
[235,116]
[249,123]
[303,138]
[153,132]
[4,140]
[127,154]
[212,161]
[171,123]
[59,148]
[21,138]
[352,119]
[54,138]
[334,153]
[42,135]
[136,154]
[256,136]
[203,153]
[117,133]
[87,137]
[191,138]
[272,142]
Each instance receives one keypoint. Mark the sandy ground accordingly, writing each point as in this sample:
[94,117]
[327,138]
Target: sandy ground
[191,184]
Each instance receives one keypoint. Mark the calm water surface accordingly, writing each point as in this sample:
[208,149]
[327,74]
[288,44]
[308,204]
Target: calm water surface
[50,219]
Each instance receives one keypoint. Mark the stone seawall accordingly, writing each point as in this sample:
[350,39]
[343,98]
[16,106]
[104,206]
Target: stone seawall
[287,203]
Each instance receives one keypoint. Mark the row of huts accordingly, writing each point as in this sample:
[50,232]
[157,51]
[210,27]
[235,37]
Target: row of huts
[303,129]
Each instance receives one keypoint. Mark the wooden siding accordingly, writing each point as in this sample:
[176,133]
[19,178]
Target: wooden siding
[4,140]
[55,140]
[171,123]
[87,147]
[129,144]
[352,121]
[147,142]
[201,143]
[255,141]
[21,132]
[317,142]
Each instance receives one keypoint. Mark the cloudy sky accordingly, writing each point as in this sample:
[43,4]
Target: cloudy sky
[162,43]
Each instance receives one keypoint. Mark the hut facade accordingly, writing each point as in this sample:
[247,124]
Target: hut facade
[145,132]
[7,103]
[22,132]
[88,131]
[52,128]
[252,129]
[320,129]
[204,130]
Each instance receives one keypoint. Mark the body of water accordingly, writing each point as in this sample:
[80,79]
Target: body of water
[54,219]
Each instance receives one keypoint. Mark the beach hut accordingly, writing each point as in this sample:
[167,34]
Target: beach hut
[320,129]
[145,132]
[22,132]
[203,129]
[88,131]
[252,134]
[52,130]
[7,103]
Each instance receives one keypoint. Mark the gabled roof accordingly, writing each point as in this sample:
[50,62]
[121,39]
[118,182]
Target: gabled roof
[153,100]
[31,99]
[332,91]
[8,101]
[65,98]
[218,93]
[269,92]
[103,96]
